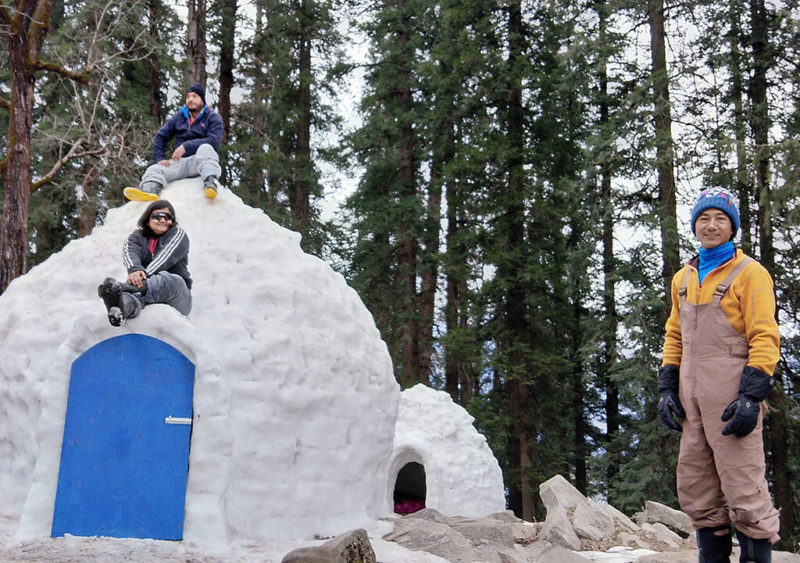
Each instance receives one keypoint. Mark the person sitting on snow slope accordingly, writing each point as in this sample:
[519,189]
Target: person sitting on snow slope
[720,348]
[197,130]
[156,256]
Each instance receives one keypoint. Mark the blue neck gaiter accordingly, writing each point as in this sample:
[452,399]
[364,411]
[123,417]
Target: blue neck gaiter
[710,258]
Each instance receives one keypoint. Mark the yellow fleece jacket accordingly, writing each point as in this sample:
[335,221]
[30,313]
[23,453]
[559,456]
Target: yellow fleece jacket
[749,305]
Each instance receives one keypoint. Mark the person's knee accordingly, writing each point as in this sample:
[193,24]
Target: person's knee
[206,151]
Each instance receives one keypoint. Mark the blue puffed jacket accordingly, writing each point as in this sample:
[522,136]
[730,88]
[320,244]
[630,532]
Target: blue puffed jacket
[207,128]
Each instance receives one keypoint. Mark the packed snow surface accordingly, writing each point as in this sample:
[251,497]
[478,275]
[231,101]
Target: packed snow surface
[295,426]
[294,402]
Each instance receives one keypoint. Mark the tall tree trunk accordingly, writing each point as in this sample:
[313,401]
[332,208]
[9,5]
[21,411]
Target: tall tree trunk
[155,70]
[300,197]
[670,244]
[407,256]
[744,186]
[226,65]
[760,123]
[514,309]
[609,337]
[196,42]
[25,29]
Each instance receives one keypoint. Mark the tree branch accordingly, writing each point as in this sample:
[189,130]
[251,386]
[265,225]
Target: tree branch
[59,164]
[5,103]
[82,77]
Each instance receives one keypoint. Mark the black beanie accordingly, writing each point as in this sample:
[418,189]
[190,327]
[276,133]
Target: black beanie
[199,90]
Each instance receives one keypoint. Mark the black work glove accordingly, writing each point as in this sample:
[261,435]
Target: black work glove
[753,388]
[669,405]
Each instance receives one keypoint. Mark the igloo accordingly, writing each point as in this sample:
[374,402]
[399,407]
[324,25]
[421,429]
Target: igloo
[292,420]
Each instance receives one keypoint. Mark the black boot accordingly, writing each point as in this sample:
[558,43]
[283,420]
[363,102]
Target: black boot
[752,550]
[714,544]
[130,288]
[111,292]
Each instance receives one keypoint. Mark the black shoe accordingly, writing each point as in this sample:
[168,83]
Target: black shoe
[111,293]
[210,187]
[752,550]
[714,545]
[130,288]
[115,316]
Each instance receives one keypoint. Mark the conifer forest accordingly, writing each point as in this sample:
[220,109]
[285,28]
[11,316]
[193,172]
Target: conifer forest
[506,183]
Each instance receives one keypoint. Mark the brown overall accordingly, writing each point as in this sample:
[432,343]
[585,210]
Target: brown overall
[720,478]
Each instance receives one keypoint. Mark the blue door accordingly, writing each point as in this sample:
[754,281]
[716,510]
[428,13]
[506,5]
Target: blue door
[125,454]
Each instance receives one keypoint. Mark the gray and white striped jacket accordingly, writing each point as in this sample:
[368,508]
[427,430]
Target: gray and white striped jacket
[171,253]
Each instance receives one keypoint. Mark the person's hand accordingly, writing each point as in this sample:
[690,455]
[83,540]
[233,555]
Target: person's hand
[178,153]
[165,162]
[137,278]
[669,405]
[742,412]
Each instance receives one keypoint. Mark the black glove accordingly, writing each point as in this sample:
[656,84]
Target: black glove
[669,405]
[753,388]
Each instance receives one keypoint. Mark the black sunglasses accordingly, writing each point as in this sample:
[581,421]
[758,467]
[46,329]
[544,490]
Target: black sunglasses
[161,216]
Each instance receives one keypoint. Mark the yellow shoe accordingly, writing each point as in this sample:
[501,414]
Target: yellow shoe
[135,194]
[210,187]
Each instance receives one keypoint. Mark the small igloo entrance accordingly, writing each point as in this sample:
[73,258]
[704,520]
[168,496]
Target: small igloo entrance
[410,489]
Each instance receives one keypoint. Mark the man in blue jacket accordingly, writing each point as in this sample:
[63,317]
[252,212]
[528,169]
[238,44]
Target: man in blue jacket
[197,130]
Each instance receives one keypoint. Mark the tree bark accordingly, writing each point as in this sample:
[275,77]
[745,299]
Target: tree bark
[196,42]
[25,30]
[517,332]
[760,123]
[609,355]
[670,243]
[408,245]
[226,65]
[300,196]
[156,109]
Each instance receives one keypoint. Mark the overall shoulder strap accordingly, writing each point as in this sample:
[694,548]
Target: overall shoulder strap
[723,287]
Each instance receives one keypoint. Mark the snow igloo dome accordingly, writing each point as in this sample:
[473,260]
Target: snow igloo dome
[294,399]
[273,404]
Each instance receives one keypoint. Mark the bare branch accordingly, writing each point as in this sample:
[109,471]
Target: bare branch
[71,155]
[82,77]
[5,103]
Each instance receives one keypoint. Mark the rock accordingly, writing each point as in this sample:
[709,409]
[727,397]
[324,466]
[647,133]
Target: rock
[497,553]
[505,516]
[674,519]
[557,491]
[670,557]
[418,534]
[430,515]
[525,532]
[485,530]
[350,547]
[664,534]
[619,518]
[588,520]
[591,522]
[558,529]
[544,552]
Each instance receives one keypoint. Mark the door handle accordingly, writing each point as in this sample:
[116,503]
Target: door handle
[177,420]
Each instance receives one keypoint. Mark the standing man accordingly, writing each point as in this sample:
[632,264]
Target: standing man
[720,349]
[197,130]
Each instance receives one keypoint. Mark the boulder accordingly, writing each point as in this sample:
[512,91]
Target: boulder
[350,547]
[674,519]
[483,530]
[418,534]
[558,529]
[545,552]
[570,515]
